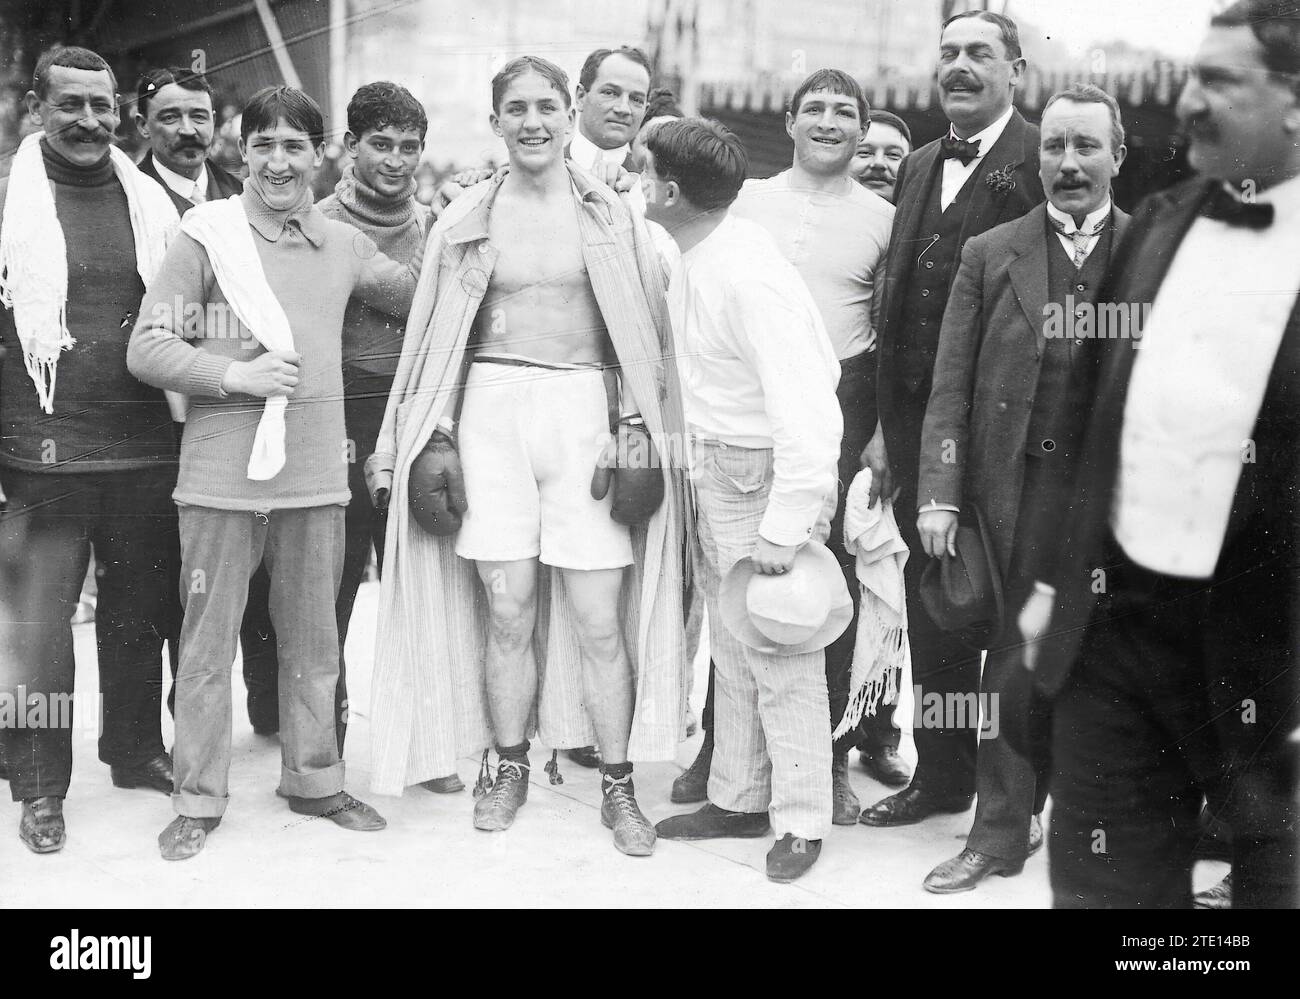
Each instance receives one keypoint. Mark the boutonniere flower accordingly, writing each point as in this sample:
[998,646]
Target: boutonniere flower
[1000,181]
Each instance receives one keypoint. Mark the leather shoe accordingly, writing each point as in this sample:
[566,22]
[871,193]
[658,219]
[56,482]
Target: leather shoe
[153,775]
[1035,834]
[791,857]
[964,871]
[886,765]
[909,806]
[693,784]
[1218,897]
[444,785]
[342,809]
[712,822]
[585,756]
[844,803]
[41,827]
[185,836]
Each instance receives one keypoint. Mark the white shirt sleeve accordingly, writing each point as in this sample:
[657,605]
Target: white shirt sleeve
[798,372]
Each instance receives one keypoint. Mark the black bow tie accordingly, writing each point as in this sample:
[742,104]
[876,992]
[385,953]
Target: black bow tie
[1224,207]
[959,149]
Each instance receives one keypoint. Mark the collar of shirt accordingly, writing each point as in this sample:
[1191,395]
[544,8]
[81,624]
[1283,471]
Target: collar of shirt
[270,223]
[1089,221]
[987,137]
[587,154]
[183,185]
[474,224]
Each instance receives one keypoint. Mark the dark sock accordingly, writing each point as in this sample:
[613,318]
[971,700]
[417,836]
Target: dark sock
[611,772]
[516,754]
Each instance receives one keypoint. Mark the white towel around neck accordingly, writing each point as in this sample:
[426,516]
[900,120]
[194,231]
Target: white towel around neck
[34,255]
[223,230]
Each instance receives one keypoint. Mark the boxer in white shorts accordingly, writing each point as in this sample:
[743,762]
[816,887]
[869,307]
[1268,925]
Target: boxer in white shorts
[530,435]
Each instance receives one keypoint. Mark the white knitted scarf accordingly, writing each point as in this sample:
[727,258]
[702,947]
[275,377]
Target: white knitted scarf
[223,229]
[34,256]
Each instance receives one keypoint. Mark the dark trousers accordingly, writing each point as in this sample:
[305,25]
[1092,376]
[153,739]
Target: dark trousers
[1012,782]
[364,401]
[46,535]
[1138,741]
[941,665]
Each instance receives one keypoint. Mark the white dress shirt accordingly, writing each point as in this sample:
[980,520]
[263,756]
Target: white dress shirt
[1089,223]
[758,369]
[192,190]
[956,173]
[588,155]
[1197,385]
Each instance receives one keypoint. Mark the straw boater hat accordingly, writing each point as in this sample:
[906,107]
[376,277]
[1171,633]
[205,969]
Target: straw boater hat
[802,610]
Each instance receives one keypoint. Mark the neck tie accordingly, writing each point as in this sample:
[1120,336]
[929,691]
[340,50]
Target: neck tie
[1078,237]
[197,196]
[1224,207]
[959,149]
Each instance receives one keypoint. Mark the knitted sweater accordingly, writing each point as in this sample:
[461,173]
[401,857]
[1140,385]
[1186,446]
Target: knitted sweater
[372,339]
[104,419]
[187,337]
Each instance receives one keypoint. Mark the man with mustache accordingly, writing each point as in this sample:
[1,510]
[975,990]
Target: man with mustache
[835,234]
[881,152]
[983,173]
[87,453]
[1168,620]
[173,112]
[1002,427]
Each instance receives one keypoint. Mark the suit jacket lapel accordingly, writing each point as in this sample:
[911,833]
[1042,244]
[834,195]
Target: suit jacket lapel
[1007,154]
[1028,272]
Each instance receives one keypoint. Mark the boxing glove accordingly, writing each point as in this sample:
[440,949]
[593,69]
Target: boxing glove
[633,471]
[436,487]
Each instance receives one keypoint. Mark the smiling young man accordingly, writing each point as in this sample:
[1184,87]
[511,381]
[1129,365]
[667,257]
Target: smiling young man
[982,173]
[1002,434]
[543,614]
[881,152]
[1180,678]
[263,460]
[836,234]
[87,453]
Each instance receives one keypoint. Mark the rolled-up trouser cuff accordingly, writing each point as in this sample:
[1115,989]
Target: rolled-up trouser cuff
[199,806]
[318,784]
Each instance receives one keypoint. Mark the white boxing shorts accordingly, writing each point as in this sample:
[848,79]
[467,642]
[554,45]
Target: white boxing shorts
[529,437]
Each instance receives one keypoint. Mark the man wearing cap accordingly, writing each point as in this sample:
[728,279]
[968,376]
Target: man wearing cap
[758,384]
[1001,432]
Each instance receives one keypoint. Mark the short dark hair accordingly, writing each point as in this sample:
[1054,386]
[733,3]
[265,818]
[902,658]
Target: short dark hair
[834,81]
[69,57]
[1006,27]
[892,120]
[1086,93]
[516,68]
[1276,25]
[266,107]
[705,159]
[587,75]
[377,105]
[153,80]
[662,103]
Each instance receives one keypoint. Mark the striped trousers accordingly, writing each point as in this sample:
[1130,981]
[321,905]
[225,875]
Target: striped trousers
[771,728]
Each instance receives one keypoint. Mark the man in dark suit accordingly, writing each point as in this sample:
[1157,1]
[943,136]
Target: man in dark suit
[1180,553]
[1002,432]
[173,112]
[983,173]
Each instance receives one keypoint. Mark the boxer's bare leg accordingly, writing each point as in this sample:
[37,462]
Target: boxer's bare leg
[511,668]
[606,671]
